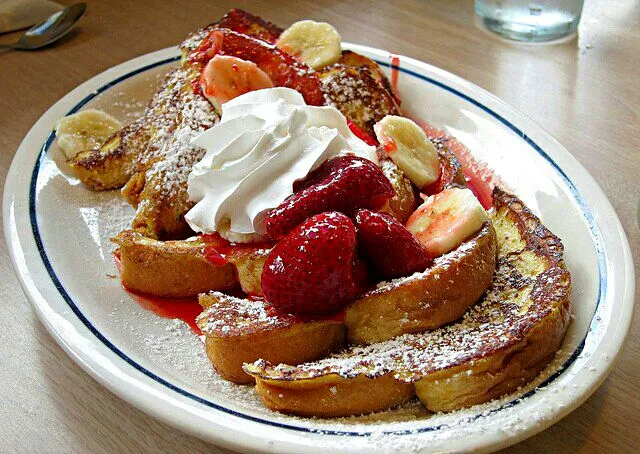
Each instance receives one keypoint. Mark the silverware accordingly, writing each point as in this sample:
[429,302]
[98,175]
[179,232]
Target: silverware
[53,28]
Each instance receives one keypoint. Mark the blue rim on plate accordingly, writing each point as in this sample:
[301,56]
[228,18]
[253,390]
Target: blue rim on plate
[594,230]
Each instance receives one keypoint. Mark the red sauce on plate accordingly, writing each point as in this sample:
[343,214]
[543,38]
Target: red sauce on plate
[185,309]
[480,178]
[395,66]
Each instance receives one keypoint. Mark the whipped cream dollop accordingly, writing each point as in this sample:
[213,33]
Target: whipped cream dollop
[265,141]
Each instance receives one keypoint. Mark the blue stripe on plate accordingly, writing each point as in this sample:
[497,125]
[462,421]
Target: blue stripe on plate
[54,278]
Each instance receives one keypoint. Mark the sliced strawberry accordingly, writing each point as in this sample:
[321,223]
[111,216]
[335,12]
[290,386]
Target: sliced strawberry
[248,24]
[389,247]
[343,184]
[360,134]
[314,269]
[282,69]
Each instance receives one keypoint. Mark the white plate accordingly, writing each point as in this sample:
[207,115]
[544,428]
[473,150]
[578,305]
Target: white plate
[58,231]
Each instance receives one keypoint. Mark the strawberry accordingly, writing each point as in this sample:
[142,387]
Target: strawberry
[315,269]
[360,134]
[246,23]
[280,67]
[389,247]
[344,184]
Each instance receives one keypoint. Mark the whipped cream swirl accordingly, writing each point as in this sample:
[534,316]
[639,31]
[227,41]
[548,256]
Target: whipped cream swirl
[265,141]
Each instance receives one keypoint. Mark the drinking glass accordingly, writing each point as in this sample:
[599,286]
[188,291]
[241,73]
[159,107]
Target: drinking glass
[531,21]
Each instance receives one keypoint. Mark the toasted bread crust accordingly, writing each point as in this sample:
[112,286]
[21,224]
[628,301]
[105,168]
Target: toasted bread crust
[334,396]
[180,269]
[277,339]
[356,93]
[170,269]
[500,344]
[426,300]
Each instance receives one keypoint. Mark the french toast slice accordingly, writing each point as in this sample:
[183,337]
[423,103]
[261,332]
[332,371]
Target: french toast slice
[356,60]
[183,268]
[439,295]
[240,331]
[356,93]
[500,344]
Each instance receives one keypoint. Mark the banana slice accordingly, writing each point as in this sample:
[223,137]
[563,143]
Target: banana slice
[86,130]
[408,146]
[224,230]
[317,44]
[226,77]
[446,219]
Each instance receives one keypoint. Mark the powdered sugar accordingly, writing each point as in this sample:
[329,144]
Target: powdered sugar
[231,316]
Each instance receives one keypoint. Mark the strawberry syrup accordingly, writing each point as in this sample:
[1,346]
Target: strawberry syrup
[186,309]
[395,67]
[480,178]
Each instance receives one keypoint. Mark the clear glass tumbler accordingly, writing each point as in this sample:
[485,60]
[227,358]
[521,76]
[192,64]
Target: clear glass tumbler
[532,21]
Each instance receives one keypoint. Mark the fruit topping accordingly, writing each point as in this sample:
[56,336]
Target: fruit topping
[389,247]
[446,219]
[408,146]
[360,134]
[280,67]
[317,44]
[248,24]
[85,130]
[225,78]
[343,184]
[315,269]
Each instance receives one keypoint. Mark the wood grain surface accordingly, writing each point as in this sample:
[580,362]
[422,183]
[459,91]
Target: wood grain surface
[585,92]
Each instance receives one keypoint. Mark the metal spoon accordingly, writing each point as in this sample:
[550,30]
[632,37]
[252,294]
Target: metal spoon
[53,28]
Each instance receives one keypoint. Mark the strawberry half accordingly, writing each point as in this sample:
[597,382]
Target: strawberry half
[315,269]
[389,247]
[342,184]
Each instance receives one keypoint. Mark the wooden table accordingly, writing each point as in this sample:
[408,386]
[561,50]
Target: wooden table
[584,91]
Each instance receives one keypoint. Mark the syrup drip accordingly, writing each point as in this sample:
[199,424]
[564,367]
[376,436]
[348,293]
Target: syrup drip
[184,309]
[217,249]
[395,66]
[480,178]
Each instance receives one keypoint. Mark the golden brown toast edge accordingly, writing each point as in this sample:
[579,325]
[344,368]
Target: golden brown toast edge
[426,300]
[180,269]
[280,339]
[169,269]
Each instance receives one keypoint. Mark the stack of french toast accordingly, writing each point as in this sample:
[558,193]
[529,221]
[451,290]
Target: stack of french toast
[375,280]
